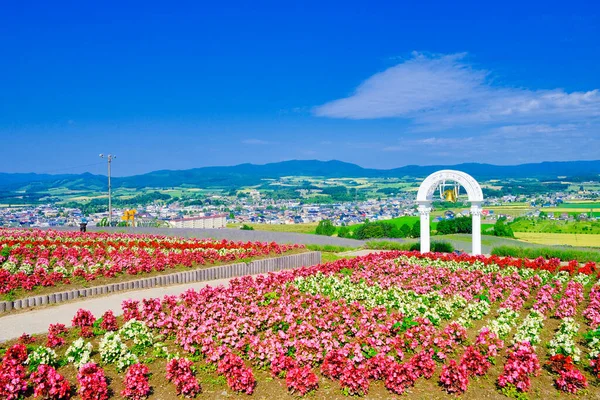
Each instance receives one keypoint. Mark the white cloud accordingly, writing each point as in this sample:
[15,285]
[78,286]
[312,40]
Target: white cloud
[256,142]
[445,91]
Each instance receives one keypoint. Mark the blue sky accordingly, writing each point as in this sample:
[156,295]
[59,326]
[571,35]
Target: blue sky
[385,84]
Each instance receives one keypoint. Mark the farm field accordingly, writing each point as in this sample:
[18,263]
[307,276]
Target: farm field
[383,325]
[297,228]
[39,262]
[581,204]
[554,226]
[568,239]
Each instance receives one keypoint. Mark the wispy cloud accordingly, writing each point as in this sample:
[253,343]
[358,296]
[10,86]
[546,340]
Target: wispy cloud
[439,92]
[257,142]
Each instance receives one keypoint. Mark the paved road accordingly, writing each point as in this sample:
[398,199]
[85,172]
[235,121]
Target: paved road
[37,321]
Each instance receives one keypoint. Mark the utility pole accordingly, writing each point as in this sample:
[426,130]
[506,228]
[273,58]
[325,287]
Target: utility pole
[109,158]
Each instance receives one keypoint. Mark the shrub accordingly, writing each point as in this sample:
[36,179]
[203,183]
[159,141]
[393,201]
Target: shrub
[325,228]
[436,247]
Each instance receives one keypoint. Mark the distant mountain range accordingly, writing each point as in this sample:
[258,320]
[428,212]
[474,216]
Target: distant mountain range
[251,174]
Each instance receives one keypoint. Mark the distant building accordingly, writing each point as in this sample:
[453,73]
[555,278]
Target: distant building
[209,222]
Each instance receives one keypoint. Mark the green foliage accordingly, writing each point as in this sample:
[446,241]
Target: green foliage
[406,324]
[344,232]
[384,229]
[456,225]
[246,228]
[416,230]
[329,248]
[547,252]
[368,352]
[387,245]
[10,296]
[97,330]
[543,225]
[512,392]
[502,229]
[325,228]
[5,252]
[437,247]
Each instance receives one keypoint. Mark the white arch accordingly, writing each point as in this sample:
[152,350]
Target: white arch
[425,197]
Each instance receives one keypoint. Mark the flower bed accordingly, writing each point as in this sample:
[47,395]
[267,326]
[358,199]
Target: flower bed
[380,325]
[34,261]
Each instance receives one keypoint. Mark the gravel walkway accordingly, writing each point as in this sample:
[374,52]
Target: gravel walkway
[37,321]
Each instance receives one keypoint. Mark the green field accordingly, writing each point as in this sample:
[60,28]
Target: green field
[565,239]
[587,205]
[297,228]
[553,226]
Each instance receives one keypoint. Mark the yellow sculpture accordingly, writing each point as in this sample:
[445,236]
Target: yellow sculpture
[129,216]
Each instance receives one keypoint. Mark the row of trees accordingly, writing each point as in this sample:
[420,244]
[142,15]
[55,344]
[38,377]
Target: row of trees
[370,230]
[382,229]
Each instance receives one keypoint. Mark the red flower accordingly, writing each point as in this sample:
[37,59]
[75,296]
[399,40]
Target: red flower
[136,382]
[301,380]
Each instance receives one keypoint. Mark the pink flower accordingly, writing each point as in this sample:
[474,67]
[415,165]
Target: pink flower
[92,382]
[522,362]
[109,322]
[83,318]
[49,384]
[571,381]
[301,380]
[355,380]
[136,382]
[475,363]
[454,377]
[180,373]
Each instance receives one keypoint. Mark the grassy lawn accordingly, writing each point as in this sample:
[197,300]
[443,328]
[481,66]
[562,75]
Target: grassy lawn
[569,239]
[298,228]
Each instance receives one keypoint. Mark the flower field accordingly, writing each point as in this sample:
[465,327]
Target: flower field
[31,260]
[380,326]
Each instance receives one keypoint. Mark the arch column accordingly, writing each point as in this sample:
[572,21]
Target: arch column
[424,211]
[476,231]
